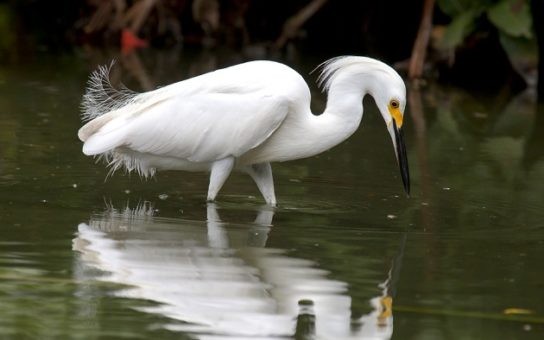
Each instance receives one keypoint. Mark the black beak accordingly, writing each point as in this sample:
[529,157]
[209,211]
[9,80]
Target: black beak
[401,157]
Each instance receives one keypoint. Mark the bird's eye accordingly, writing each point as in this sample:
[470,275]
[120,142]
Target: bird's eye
[394,104]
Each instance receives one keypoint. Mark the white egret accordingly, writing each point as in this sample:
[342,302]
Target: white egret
[241,117]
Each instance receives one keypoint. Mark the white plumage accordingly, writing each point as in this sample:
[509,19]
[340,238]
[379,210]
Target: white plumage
[242,117]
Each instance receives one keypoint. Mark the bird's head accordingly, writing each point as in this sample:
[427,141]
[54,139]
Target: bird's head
[390,97]
[342,75]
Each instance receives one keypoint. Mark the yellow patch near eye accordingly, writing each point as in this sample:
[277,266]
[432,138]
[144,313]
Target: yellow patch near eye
[397,116]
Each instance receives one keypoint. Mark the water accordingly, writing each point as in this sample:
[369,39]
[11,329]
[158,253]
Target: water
[345,256]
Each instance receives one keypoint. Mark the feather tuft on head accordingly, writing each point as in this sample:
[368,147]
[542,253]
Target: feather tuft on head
[363,65]
[327,70]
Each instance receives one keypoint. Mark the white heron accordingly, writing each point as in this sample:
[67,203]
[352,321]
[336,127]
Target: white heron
[241,117]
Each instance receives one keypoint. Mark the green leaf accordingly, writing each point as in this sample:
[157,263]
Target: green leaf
[512,17]
[461,26]
[454,8]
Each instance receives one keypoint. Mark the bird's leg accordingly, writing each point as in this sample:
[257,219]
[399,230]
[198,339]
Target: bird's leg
[262,175]
[219,172]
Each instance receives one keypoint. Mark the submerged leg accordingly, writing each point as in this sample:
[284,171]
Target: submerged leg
[262,175]
[220,171]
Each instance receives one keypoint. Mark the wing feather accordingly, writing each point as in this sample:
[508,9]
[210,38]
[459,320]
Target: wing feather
[206,127]
[201,128]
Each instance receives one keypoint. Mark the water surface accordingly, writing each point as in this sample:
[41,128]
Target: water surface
[346,255]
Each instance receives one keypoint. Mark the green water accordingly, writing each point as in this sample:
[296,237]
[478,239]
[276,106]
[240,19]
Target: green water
[345,255]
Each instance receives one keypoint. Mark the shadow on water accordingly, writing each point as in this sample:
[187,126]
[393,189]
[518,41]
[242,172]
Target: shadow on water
[218,278]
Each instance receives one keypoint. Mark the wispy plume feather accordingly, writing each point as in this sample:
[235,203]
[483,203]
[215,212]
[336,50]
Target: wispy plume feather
[101,96]
[116,160]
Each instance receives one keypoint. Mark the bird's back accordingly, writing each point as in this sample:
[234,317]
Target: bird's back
[202,119]
[256,76]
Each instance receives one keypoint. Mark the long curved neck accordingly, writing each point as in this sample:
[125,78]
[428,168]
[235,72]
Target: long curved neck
[304,134]
[345,99]
[344,110]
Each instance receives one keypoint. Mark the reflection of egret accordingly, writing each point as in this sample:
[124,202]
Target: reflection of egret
[241,117]
[209,278]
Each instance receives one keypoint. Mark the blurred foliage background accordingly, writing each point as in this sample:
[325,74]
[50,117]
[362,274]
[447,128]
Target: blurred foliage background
[476,43]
